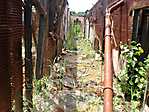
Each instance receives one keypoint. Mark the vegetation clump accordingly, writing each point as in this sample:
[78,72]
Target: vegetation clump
[133,76]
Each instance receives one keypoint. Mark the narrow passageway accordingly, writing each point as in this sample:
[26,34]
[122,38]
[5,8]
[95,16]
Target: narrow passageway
[74,56]
[75,79]
[80,81]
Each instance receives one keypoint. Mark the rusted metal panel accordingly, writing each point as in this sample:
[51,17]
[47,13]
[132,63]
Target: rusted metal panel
[49,54]
[15,23]
[121,18]
[54,41]
[5,89]
[40,8]
[11,34]
[137,4]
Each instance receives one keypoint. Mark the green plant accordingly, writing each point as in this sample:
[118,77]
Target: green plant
[70,40]
[132,78]
[85,46]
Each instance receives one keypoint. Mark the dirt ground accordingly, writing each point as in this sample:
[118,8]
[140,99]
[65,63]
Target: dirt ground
[82,88]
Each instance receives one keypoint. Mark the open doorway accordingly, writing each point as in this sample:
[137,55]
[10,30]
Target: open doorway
[141,28]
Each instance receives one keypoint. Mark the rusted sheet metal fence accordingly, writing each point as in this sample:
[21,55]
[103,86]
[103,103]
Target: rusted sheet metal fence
[11,30]
[54,42]
[15,22]
[10,50]
[5,91]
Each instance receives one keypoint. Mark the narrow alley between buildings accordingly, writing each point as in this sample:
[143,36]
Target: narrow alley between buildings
[74,56]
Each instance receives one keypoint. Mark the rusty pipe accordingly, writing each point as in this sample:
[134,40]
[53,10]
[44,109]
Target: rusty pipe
[115,5]
[108,91]
[108,71]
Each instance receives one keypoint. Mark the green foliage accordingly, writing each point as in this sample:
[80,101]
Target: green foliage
[132,78]
[73,13]
[70,41]
[41,98]
[46,88]
[81,13]
[77,29]
[85,46]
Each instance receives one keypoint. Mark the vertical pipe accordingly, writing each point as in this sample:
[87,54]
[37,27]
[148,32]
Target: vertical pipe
[84,25]
[108,71]
[89,29]
[108,78]
[28,53]
[100,65]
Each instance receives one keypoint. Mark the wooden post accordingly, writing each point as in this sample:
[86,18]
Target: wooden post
[28,53]
[40,47]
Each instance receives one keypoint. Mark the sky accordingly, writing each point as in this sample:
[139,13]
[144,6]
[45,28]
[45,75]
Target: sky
[81,5]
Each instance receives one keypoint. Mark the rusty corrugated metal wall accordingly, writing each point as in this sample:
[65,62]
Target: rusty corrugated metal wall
[10,50]
[15,23]
[5,93]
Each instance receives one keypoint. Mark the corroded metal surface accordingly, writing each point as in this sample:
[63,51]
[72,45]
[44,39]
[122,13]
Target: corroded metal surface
[54,41]
[108,77]
[121,31]
[10,50]
[121,18]
[15,24]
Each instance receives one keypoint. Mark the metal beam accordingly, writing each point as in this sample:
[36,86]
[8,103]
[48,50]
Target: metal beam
[40,47]
[28,53]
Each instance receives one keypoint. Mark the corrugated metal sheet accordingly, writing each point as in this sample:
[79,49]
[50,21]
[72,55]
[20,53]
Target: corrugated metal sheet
[10,48]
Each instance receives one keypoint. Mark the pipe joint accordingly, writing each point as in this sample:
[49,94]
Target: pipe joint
[108,12]
[108,36]
[108,88]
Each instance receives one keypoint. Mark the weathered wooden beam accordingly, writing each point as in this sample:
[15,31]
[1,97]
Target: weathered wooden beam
[28,53]
[40,47]
[39,7]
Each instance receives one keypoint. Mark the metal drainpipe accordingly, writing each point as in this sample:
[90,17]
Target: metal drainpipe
[108,91]
[108,71]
